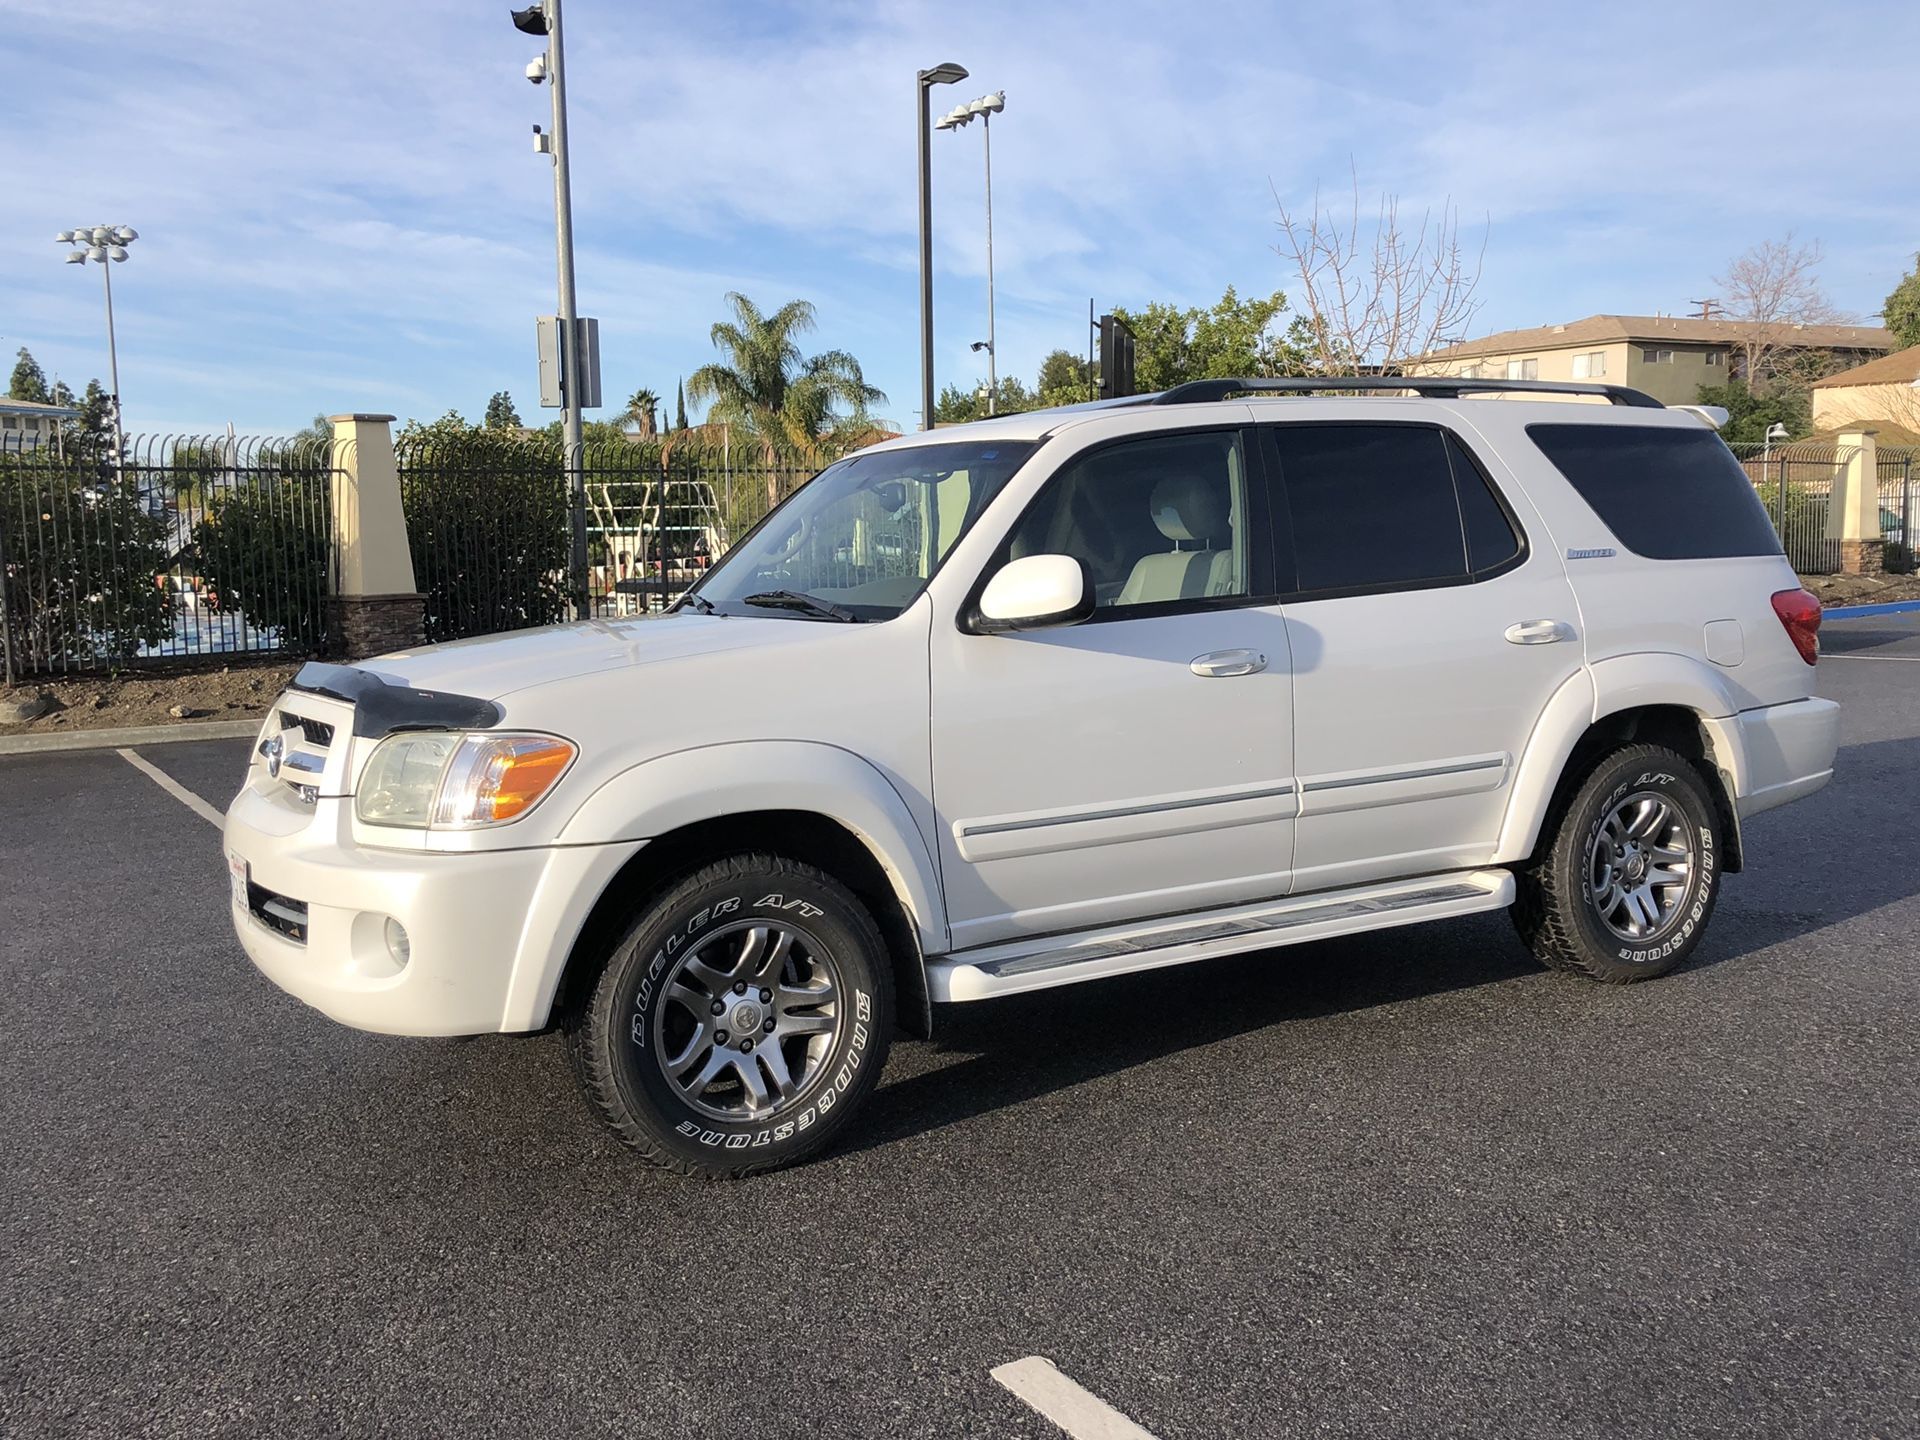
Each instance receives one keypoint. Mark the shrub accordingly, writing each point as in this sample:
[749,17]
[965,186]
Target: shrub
[263,547]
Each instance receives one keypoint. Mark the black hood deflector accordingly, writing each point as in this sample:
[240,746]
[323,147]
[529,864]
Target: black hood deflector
[382,707]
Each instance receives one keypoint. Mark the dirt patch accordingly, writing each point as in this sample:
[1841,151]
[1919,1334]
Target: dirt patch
[150,697]
[1862,589]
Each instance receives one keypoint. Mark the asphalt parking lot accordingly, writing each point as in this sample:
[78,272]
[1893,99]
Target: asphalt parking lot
[1401,1185]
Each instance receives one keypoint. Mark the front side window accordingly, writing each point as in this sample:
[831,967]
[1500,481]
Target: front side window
[862,538]
[1157,522]
[1380,507]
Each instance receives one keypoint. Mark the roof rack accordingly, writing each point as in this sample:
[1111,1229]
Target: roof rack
[1196,392]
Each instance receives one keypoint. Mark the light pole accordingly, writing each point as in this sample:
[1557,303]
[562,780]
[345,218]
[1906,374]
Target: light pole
[925,80]
[100,244]
[986,107]
[544,19]
[1776,431]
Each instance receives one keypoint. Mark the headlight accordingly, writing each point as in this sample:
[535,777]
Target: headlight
[439,781]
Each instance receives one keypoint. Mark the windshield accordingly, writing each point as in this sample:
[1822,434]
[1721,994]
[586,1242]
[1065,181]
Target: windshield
[861,539]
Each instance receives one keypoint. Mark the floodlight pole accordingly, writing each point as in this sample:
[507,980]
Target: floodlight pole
[113,367]
[924,81]
[993,384]
[571,426]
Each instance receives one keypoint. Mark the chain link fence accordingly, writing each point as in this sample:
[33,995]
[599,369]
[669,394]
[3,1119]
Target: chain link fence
[179,547]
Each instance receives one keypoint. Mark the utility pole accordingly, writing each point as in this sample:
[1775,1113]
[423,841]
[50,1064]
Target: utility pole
[924,81]
[544,19]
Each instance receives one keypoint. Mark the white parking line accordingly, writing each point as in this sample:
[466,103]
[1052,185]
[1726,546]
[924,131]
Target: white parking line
[1079,1412]
[173,787]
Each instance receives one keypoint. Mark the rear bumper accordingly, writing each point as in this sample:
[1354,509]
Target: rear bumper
[1777,753]
[488,932]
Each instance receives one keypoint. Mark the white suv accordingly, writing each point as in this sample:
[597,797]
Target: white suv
[1044,699]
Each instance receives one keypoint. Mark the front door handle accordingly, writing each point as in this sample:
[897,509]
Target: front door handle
[1224,664]
[1539,632]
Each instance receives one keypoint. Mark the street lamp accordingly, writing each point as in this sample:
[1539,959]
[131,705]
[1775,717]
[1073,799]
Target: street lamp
[100,244]
[924,81]
[549,67]
[986,107]
[1776,431]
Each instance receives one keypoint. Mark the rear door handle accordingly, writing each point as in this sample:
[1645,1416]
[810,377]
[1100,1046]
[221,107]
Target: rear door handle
[1539,632]
[1225,664]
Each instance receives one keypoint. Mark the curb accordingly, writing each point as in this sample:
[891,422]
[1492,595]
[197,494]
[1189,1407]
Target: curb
[1861,612]
[130,735]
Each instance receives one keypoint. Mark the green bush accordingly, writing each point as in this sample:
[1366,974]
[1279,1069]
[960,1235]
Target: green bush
[263,547]
[80,555]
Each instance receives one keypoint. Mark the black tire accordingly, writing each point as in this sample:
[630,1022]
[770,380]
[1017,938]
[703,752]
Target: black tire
[1561,912]
[632,1029]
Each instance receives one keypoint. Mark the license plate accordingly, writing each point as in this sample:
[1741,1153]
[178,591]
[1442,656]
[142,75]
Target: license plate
[237,879]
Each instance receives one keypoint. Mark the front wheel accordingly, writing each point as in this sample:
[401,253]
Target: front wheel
[1629,871]
[741,1020]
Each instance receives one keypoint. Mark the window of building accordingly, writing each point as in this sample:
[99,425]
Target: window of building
[1528,369]
[1590,366]
[1668,493]
[9,422]
[1716,358]
[1156,521]
[1375,507]
[1657,357]
[1470,372]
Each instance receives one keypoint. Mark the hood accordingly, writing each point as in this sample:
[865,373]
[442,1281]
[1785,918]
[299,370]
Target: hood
[489,667]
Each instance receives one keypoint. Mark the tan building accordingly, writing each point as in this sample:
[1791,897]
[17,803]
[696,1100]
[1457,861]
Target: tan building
[1883,394]
[1669,357]
[28,424]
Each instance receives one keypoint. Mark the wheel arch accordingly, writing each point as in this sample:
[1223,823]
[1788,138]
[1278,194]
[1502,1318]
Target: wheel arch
[810,802]
[1665,704]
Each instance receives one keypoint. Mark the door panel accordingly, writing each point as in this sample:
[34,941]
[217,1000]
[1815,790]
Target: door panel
[1139,763]
[1441,623]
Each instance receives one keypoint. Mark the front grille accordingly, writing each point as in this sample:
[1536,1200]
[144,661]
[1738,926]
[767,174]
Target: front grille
[278,912]
[304,745]
[315,732]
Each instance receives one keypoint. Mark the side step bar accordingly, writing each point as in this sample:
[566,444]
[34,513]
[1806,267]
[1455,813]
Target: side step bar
[1016,966]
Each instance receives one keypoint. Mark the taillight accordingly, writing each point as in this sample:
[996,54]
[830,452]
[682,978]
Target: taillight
[1799,612]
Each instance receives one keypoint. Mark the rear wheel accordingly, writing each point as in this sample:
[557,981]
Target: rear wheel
[741,1020]
[1629,870]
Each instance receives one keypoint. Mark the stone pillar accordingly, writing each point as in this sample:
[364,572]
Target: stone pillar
[374,607]
[1853,512]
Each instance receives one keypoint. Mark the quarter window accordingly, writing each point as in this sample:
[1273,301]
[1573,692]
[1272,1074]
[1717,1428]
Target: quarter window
[1156,522]
[1374,507]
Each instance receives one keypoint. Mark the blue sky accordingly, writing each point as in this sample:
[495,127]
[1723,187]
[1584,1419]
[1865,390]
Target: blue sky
[340,209]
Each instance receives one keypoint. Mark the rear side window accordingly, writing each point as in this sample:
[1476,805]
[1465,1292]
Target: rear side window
[1378,507]
[1667,494]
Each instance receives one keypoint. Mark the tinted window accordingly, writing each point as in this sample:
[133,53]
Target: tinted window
[1156,521]
[1370,505]
[1667,494]
[1490,537]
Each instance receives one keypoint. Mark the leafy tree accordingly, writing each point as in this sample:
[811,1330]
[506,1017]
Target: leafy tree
[956,406]
[1750,416]
[680,406]
[316,433]
[1901,313]
[83,549]
[789,401]
[29,381]
[1063,379]
[263,547]
[95,421]
[643,410]
[500,412]
[486,518]
[1234,337]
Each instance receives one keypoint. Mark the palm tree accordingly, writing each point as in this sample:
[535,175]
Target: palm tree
[789,401]
[643,410]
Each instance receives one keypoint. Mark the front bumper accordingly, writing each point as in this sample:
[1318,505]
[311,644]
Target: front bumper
[488,932]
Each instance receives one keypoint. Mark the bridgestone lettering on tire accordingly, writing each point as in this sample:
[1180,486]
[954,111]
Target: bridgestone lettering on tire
[1628,870]
[741,1020]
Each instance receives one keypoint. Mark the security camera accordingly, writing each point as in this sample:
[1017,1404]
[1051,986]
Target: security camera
[537,69]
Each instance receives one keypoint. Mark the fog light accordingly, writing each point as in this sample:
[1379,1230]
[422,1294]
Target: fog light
[398,945]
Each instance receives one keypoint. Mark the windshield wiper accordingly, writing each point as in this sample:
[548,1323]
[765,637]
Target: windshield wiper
[800,600]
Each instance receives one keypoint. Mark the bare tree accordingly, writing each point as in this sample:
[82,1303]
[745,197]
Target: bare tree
[1380,291]
[1773,292]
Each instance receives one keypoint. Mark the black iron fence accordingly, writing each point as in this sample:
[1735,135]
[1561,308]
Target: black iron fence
[488,520]
[1796,482]
[178,547]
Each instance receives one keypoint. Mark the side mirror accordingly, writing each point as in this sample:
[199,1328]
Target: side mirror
[1035,591]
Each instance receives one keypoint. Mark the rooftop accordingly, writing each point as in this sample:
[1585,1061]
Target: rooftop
[1900,368]
[36,407]
[1684,329]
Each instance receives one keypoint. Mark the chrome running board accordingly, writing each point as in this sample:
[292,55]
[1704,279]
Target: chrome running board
[1015,966]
